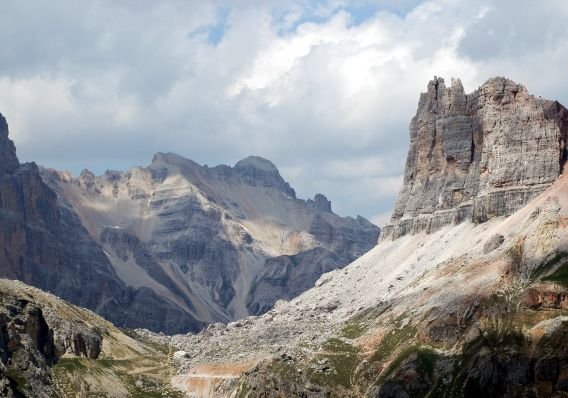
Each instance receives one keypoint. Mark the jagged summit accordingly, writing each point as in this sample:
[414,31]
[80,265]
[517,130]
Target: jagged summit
[257,171]
[321,203]
[477,156]
[256,162]
[173,159]
[8,160]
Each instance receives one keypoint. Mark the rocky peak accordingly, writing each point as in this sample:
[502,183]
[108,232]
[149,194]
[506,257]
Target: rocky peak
[8,160]
[173,159]
[257,171]
[321,203]
[477,156]
[87,181]
[256,162]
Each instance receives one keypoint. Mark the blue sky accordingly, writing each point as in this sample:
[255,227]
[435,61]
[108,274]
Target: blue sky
[324,89]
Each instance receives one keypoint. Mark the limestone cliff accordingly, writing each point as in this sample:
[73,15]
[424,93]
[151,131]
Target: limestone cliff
[477,156]
[8,160]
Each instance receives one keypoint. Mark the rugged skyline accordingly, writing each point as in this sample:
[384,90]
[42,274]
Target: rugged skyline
[325,89]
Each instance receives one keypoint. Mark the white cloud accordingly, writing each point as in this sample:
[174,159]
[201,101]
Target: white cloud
[326,98]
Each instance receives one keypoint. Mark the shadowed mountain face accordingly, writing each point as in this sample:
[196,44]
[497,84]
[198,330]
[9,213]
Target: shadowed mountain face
[44,244]
[218,243]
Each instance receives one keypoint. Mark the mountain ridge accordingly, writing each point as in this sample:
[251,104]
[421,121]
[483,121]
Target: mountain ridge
[213,240]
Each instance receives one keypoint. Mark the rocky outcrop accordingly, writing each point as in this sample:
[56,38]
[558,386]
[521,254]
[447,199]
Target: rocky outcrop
[255,170]
[320,203]
[477,156]
[33,336]
[50,348]
[545,295]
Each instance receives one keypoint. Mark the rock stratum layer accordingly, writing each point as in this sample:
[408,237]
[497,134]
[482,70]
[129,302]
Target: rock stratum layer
[477,156]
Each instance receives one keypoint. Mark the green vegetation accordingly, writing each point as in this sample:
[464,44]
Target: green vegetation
[550,264]
[339,359]
[18,378]
[392,341]
[243,390]
[560,275]
[426,360]
[285,370]
[70,375]
[353,330]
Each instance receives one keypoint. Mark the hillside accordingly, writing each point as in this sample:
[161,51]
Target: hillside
[50,348]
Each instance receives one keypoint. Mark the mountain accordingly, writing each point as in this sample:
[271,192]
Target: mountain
[217,243]
[464,296]
[171,247]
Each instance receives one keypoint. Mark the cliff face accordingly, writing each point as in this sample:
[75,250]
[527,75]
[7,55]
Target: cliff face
[8,160]
[477,156]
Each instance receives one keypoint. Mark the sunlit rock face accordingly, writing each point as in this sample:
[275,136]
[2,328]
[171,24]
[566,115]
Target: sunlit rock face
[477,156]
[216,243]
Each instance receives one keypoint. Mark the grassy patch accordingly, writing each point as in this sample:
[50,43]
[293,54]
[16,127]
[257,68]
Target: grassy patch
[283,369]
[340,358]
[71,365]
[392,341]
[243,390]
[426,359]
[353,330]
[560,275]
[70,373]
[542,269]
[18,378]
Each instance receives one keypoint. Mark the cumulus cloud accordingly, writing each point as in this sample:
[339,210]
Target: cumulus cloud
[325,89]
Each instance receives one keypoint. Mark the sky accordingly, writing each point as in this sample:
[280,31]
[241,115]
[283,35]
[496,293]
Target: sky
[324,89]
